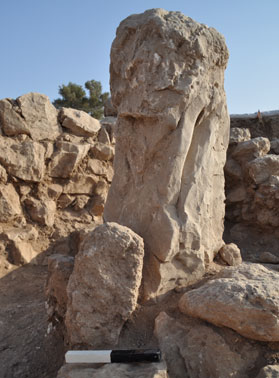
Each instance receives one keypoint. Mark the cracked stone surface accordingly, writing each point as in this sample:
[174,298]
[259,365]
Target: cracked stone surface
[167,74]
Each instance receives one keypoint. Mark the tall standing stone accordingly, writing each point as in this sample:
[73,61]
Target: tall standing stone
[167,83]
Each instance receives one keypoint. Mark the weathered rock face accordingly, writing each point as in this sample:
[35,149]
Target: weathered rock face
[194,349]
[10,206]
[51,177]
[167,75]
[66,158]
[60,268]
[104,286]
[25,160]
[155,370]
[230,253]
[244,298]
[252,180]
[269,371]
[31,114]
[79,122]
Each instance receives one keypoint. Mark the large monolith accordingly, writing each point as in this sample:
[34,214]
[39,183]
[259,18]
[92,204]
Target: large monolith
[167,83]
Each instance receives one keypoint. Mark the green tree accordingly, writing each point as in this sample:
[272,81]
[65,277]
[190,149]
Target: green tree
[74,96]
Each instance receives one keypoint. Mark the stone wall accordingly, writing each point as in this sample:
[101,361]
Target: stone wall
[252,171]
[55,170]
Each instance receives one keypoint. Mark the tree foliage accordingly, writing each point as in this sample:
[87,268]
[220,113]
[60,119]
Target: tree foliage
[74,96]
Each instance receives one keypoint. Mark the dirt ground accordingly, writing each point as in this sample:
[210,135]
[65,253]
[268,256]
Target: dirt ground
[29,350]
[26,349]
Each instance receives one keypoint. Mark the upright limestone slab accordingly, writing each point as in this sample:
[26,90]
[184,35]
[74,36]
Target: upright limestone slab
[167,74]
[103,288]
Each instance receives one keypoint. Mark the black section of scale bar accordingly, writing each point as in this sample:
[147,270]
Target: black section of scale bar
[136,355]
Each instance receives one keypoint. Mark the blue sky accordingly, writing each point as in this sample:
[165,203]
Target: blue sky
[46,43]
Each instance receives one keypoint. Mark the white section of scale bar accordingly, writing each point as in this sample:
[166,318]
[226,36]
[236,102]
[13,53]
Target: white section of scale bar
[88,356]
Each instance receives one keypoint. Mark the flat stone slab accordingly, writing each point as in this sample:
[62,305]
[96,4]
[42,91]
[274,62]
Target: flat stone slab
[244,298]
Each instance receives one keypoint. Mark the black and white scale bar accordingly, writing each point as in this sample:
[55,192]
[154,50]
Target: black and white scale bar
[110,356]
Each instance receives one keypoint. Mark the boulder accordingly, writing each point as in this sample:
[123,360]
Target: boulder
[274,146]
[251,149]
[80,202]
[244,298]
[109,123]
[268,258]
[40,116]
[42,212]
[66,158]
[269,371]
[237,194]
[12,121]
[60,268]
[104,286]
[233,170]
[238,134]
[102,151]
[15,234]
[103,136]
[97,167]
[3,175]
[79,122]
[261,168]
[54,191]
[166,76]
[64,201]
[21,252]
[230,253]
[10,206]
[81,184]
[194,349]
[153,370]
[25,160]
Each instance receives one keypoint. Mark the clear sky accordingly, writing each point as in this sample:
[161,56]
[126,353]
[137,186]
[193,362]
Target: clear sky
[46,43]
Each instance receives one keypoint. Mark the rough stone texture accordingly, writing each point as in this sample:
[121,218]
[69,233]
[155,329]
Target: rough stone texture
[167,75]
[79,122]
[22,252]
[19,244]
[262,168]
[24,160]
[153,370]
[64,201]
[27,233]
[66,158]
[12,121]
[252,183]
[42,212]
[3,175]
[110,124]
[10,206]
[269,258]
[244,298]
[269,371]
[103,151]
[239,135]
[264,126]
[109,109]
[60,268]
[40,116]
[97,167]
[104,286]
[194,349]
[274,146]
[103,136]
[251,149]
[81,184]
[230,253]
